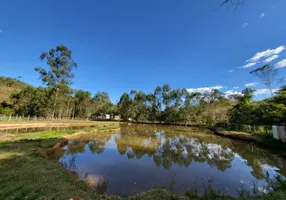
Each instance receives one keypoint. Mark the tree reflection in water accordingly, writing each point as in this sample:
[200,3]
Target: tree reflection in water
[180,150]
[169,146]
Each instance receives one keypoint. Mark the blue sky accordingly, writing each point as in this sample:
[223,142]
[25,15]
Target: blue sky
[127,44]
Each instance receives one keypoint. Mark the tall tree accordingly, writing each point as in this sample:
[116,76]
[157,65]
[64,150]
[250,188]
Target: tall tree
[166,96]
[124,106]
[59,74]
[158,97]
[235,3]
[140,108]
[266,74]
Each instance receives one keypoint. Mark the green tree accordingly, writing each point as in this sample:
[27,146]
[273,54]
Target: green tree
[32,101]
[154,112]
[58,76]
[124,106]
[139,106]
[6,108]
[102,103]
[83,104]
[242,112]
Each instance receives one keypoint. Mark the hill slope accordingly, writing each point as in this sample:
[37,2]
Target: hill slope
[9,85]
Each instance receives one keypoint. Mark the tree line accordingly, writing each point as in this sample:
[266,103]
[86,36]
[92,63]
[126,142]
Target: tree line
[56,99]
[178,106]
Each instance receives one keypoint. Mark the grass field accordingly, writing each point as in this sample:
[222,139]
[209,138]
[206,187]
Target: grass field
[260,139]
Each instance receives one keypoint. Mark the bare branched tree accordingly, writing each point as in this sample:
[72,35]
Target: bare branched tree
[234,3]
[267,75]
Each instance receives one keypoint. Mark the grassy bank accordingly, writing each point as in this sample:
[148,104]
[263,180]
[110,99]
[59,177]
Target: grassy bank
[54,134]
[266,140]
[26,172]
[53,123]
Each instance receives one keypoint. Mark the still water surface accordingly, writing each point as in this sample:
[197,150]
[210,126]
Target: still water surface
[143,157]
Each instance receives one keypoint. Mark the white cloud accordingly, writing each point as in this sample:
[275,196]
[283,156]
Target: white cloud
[266,53]
[248,65]
[244,25]
[251,84]
[268,60]
[232,92]
[262,14]
[281,64]
[264,91]
[235,87]
[204,89]
[230,70]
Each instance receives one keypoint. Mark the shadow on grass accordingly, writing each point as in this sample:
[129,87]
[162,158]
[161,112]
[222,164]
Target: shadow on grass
[26,172]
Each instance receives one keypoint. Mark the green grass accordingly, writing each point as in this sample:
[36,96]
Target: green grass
[26,173]
[260,139]
[45,135]
[74,122]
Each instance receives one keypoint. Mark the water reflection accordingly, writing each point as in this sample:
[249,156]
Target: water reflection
[143,157]
[167,151]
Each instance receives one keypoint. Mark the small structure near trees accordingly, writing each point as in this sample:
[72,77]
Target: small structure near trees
[105,117]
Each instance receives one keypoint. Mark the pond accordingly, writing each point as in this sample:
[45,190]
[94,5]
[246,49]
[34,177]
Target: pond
[144,157]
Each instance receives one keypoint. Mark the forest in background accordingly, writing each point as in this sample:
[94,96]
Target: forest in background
[56,99]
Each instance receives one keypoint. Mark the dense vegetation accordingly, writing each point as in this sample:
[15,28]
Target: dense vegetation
[58,100]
